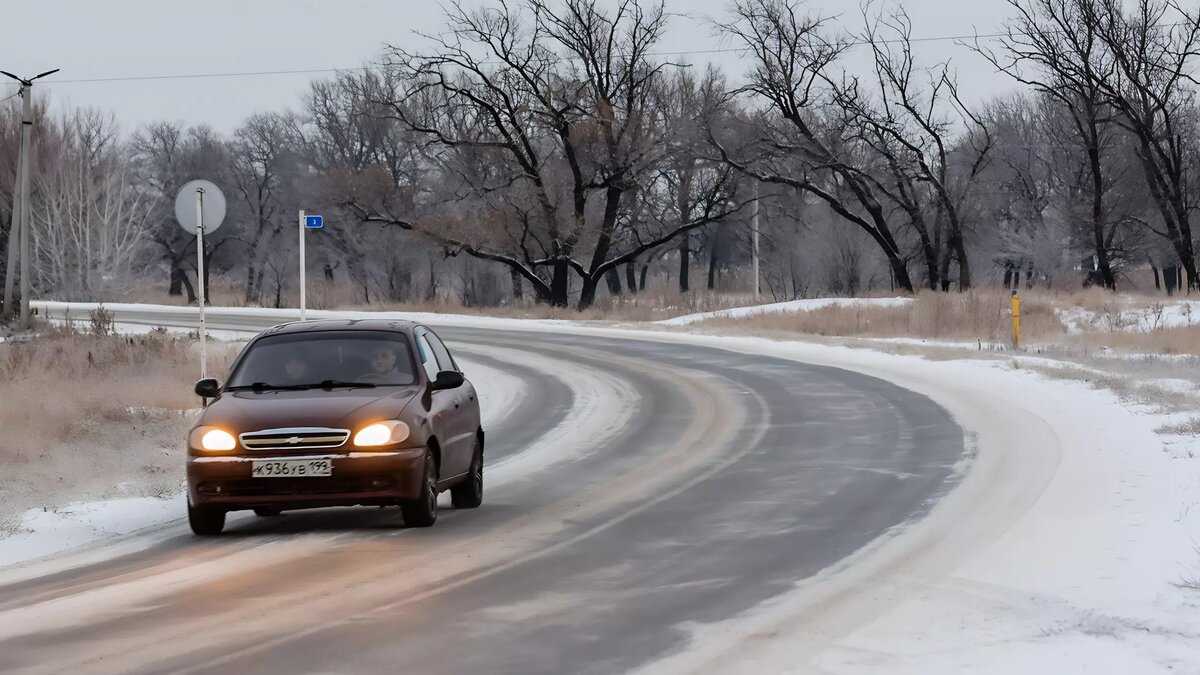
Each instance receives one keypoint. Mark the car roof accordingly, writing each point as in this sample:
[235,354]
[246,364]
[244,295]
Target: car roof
[319,325]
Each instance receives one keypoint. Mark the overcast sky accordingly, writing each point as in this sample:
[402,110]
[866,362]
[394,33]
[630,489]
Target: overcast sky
[131,38]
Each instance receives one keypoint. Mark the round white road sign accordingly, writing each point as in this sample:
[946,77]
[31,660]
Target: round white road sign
[214,206]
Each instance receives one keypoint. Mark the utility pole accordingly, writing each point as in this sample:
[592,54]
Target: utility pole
[24,167]
[302,279]
[14,239]
[754,241]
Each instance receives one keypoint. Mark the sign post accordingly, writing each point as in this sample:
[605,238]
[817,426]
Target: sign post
[303,284]
[307,222]
[200,280]
[200,209]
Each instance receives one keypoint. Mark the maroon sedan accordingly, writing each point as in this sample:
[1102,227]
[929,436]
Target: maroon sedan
[336,413]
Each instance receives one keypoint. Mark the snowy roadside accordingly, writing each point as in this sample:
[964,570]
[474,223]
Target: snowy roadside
[807,305]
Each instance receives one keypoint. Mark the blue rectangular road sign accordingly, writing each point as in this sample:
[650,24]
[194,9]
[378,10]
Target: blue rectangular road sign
[314,222]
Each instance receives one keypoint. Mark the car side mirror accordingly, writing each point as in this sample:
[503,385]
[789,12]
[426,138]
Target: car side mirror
[447,379]
[208,388]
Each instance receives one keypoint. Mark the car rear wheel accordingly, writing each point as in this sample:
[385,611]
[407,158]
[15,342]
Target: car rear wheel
[205,520]
[267,512]
[469,493]
[422,511]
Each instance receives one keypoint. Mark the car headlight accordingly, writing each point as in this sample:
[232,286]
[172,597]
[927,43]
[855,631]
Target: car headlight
[381,433]
[212,439]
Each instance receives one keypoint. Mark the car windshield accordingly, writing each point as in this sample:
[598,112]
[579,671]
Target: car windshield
[331,358]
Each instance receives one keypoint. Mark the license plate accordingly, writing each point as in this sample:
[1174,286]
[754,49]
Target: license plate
[291,468]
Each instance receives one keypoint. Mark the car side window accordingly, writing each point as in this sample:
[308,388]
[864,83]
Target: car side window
[428,361]
[443,355]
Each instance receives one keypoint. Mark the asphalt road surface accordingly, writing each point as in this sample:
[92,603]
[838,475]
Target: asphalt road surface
[633,490]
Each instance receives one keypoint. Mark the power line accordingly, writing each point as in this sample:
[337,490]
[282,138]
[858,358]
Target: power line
[193,76]
[692,52]
[318,71]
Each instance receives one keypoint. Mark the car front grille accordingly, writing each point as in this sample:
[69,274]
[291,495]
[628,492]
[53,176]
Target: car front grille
[302,438]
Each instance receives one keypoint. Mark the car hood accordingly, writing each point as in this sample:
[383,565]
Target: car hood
[242,411]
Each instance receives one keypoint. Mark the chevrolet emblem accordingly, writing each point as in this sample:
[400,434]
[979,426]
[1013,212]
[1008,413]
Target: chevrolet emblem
[293,440]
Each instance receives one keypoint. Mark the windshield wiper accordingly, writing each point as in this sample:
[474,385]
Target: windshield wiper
[339,384]
[263,386]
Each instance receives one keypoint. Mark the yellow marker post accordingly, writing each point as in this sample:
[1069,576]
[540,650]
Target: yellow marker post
[1016,312]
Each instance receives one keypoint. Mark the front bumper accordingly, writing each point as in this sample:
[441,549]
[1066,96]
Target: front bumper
[368,478]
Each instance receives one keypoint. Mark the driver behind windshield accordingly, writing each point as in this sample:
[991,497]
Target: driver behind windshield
[385,366]
[297,369]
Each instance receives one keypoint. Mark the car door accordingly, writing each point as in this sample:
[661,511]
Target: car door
[464,420]
[441,408]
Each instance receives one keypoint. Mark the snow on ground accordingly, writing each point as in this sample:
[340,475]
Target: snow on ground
[1119,318]
[783,307]
[44,532]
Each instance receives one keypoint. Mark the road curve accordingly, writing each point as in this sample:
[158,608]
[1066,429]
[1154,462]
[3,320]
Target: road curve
[636,488]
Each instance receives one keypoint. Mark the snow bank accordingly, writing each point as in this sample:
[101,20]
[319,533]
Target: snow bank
[41,533]
[1133,319]
[783,307]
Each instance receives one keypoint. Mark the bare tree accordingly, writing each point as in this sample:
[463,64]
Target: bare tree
[263,159]
[911,116]
[1053,47]
[810,149]
[89,222]
[1154,47]
[547,105]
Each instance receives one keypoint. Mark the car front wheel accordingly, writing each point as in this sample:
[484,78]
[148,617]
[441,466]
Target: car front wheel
[422,511]
[206,521]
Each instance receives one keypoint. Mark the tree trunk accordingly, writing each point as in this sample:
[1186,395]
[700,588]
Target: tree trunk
[251,277]
[1008,274]
[1154,271]
[712,260]
[518,292]
[944,273]
[587,293]
[177,276]
[631,276]
[559,284]
[187,286]
[964,265]
[685,255]
[642,281]
[613,277]
[1098,243]
[1170,278]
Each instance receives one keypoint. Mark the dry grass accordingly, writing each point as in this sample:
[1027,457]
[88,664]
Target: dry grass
[1171,341]
[117,405]
[972,316]
[1187,428]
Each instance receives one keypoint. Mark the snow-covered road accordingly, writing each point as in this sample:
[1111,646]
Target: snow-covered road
[721,504]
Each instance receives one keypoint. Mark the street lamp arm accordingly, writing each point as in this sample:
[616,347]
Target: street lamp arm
[48,72]
[5,72]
